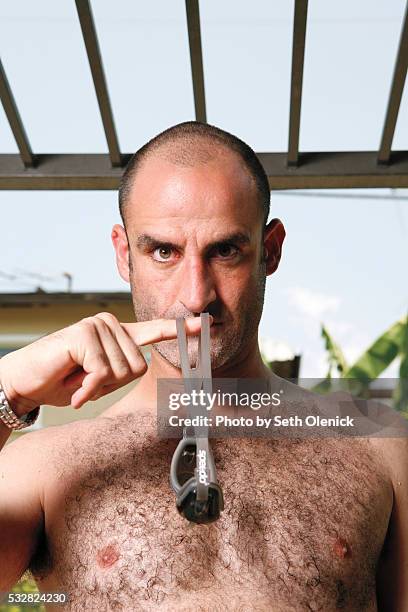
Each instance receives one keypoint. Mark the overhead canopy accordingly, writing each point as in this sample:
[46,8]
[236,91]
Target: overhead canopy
[292,169]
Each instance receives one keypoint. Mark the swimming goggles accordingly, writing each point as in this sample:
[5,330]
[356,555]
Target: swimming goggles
[193,475]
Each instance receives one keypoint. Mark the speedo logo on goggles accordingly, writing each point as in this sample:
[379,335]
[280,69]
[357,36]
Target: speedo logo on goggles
[202,467]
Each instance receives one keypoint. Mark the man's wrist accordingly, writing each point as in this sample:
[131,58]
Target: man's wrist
[20,406]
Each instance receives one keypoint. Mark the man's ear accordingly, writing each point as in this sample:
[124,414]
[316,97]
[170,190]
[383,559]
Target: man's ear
[274,235]
[121,246]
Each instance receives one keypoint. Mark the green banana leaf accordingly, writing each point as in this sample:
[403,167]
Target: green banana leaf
[400,396]
[336,357]
[379,355]
[324,386]
[336,361]
[371,363]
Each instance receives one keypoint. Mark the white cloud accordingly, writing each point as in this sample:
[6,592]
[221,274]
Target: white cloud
[312,303]
[339,328]
[275,350]
[314,364]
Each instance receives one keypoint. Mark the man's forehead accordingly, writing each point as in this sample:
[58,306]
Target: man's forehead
[217,186]
[175,163]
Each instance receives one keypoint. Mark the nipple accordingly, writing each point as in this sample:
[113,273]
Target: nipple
[107,556]
[341,548]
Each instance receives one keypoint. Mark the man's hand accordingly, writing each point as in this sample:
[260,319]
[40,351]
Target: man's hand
[82,362]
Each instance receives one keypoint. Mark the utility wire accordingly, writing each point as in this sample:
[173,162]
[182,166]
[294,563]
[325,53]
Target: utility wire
[20,276]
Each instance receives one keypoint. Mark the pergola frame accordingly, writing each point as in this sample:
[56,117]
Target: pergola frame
[289,170]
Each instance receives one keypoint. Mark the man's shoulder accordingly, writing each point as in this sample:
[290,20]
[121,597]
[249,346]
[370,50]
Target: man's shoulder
[382,429]
[26,464]
[37,447]
[43,442]
[393,453]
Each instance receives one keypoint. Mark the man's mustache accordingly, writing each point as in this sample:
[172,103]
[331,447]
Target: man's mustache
[216,314]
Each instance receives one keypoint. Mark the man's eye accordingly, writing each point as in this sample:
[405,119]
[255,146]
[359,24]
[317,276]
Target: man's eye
[226,250]
[164,253]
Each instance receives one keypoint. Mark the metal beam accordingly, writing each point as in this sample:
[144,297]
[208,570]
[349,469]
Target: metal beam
[63,172]
[298,56]
[394,100]
[14,119]
[337,170]
[95,62]
[196,59]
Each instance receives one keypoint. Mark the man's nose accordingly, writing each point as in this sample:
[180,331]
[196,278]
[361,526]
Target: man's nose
[197,285]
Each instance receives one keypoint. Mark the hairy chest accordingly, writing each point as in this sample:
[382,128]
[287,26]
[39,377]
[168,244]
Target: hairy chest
[304,522]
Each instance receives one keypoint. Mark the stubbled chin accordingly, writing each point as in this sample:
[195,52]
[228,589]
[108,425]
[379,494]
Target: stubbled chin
[221,348]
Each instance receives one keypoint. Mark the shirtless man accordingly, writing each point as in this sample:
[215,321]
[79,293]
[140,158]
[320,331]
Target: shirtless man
[308,524]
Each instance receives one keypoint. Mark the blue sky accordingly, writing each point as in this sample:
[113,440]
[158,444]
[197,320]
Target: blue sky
[344,259]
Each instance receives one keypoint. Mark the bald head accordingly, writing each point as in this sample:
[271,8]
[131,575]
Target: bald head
[189,152]
[190,144]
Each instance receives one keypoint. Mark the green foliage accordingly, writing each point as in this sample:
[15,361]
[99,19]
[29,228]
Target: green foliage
[25,585]
[401,393]
[391,344]
[335,354]
[379,355]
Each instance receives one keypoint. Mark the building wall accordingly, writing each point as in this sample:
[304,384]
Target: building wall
[38,320]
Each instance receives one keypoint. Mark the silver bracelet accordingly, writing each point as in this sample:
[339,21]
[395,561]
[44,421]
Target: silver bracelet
[10,419]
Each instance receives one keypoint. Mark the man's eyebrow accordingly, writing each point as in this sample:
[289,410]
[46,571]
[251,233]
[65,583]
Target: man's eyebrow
[147,241]
[237,237]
